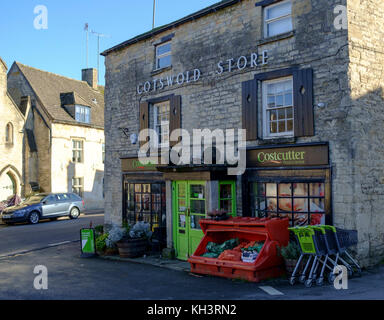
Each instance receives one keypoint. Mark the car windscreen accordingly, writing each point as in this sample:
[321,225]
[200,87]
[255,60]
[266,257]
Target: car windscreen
[34,199]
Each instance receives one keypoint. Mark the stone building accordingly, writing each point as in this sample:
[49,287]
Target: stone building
[303,77]
[64,132]
[11,141]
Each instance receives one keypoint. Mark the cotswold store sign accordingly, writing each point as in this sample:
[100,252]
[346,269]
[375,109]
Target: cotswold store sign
[191,76]
[312,155]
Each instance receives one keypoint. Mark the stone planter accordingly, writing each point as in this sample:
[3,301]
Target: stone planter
[132,248]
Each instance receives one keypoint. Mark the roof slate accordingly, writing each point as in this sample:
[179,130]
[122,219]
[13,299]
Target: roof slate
[48,87]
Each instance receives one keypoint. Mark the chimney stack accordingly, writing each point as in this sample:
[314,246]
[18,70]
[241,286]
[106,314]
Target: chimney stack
[90,76]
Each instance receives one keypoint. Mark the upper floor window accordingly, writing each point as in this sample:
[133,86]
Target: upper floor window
[83,114]
[278,107]
[163,55]
[77,151]
[278,18]
[161,122]
[9,133]
[103,152]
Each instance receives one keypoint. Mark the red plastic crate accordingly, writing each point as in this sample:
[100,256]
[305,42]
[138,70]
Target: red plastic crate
[274,232]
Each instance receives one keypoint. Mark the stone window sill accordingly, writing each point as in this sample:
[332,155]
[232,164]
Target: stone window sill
[278,37]
[158,71]
[266,141]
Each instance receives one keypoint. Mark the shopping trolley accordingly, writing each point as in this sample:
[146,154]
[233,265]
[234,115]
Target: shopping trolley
[344,240]
[313,246]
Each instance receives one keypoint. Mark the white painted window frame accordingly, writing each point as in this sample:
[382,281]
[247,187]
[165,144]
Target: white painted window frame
[76,149]
[267,22]
[265,118]
[164,55]
[156,124]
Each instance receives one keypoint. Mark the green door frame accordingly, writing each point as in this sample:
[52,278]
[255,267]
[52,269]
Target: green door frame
[192,236]
[233,196]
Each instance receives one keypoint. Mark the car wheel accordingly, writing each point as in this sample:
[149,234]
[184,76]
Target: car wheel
[74,214]
[34,218]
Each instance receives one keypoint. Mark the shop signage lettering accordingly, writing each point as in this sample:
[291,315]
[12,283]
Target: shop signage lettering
[311,155]
[223,66]
[281,156]
[134,165]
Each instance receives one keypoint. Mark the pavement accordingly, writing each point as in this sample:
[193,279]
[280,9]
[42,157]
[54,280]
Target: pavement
[71,277]
[56,246]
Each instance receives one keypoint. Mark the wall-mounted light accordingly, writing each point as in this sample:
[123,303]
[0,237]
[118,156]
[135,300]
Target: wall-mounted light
[321,105]
[133,138]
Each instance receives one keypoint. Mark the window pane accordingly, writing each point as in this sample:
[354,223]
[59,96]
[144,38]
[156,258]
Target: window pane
[300,205]
[273,128]
[164,62]
[300,219]
[316,189]
[279,10]
[282,126]
[279,26]
[225,191]
[290,125]
[162,49]
[285,190]
[226,205]
[316,205]
[300,189]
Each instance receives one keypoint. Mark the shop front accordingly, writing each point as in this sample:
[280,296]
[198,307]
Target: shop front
[144,196]
[196,192]
[289,181]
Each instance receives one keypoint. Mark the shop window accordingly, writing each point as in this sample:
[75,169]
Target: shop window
[145,202]
[83,114]
[77,151]
[78,186]
[164,55]
[227,197]
[302,202]
[278,19]
[278,113]
[161,112]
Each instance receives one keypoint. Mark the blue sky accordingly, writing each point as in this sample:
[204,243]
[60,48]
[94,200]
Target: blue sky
[61,48]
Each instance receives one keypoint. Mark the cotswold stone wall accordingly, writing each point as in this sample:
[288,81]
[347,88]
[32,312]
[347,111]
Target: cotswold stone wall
[366,118]
[40,167]
[215,100]
[11,153]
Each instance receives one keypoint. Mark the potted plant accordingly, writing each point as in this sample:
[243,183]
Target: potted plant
[134,242]
[100,243]
[290,254]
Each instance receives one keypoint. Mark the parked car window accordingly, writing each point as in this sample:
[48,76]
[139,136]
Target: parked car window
[50,199]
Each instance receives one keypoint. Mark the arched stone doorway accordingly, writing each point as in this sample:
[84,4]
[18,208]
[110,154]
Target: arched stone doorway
[9,183]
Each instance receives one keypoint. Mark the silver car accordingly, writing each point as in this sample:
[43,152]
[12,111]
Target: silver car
[45,206]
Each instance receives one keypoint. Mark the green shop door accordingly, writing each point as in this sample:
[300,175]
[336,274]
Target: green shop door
[189,208]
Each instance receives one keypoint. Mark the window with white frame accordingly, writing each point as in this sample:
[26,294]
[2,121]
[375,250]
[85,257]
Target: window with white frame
[163,55]
[77,151]
[78,186]
[278,115]
[161,122]
[83,114]
[278,18]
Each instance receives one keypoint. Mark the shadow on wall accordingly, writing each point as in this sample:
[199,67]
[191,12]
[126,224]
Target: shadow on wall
[94,198]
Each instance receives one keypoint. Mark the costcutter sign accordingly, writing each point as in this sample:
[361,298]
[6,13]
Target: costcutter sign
[312,155]
[191,76]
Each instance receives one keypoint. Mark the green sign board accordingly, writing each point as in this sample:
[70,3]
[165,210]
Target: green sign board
[87,239]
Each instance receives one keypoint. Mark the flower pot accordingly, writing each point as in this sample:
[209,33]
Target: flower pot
[132,248]
[111,251]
